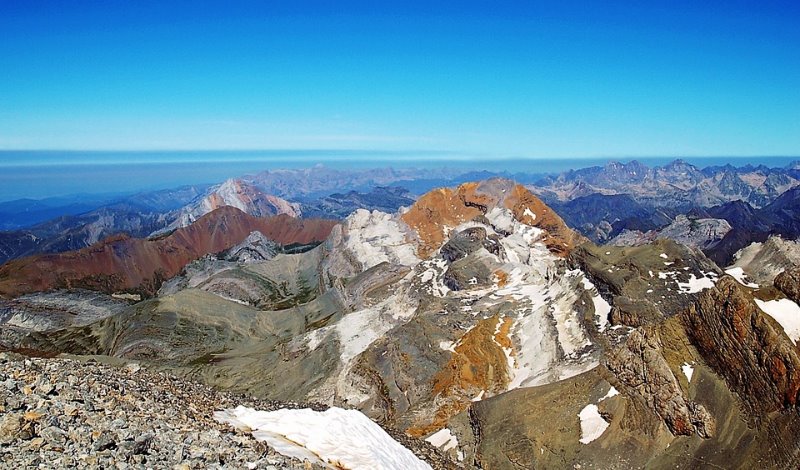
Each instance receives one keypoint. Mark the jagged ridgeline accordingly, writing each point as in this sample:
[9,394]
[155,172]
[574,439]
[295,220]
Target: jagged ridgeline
[475,319]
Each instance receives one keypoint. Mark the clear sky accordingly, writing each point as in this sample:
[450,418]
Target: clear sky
[529,79]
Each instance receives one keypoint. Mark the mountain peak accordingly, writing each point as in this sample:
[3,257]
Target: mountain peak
[237,193]
[440,210]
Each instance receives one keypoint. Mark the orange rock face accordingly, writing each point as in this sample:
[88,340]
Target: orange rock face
[478,364]
[530,210]
[124,263]
[438,210]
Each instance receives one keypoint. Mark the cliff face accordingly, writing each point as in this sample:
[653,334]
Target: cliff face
[123,263]
[745,346]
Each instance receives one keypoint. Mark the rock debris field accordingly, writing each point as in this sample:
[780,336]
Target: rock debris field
[62,413]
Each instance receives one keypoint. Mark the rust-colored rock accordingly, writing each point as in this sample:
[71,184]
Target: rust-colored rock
[477,365]
[445,208]
[559,238]
[745,346]
[124,263]
[788,282]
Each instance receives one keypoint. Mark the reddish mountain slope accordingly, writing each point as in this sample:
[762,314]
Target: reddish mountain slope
[124,263]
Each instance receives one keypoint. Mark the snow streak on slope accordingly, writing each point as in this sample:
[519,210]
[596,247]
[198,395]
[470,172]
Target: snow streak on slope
[357,330]
[548,339]
[601,307]
[335,438]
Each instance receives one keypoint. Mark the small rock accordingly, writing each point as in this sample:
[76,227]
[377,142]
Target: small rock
[143,443]
[36,444]
[10,427]
[44,387]
[106,440]
[70,410]
[54,436]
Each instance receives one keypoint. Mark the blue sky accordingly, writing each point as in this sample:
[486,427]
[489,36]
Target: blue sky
[532,79]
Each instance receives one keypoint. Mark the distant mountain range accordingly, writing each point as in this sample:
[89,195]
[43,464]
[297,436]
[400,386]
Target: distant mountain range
[678,185]
[625,202]
[720,209]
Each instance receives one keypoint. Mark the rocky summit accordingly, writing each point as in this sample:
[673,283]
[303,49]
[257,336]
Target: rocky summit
[473,327]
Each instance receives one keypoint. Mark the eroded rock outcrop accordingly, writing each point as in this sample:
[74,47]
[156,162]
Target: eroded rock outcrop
[746,346]
[788,282]
[640,366]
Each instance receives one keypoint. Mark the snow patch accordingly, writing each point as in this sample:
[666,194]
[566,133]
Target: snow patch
[592,424]
[785,312]
[738,274]
[529,213]
[335,438]
[611,393]
[695,284]
[688,371]
[443,439]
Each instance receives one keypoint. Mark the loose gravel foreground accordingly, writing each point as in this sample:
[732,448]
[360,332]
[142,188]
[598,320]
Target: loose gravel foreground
[63,413]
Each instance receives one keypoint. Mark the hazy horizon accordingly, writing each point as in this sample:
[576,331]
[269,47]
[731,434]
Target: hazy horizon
[45,174]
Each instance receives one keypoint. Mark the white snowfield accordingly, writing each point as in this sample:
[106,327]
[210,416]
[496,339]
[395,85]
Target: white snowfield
[785,312]
[739,274]
[592,423]
[335,438]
